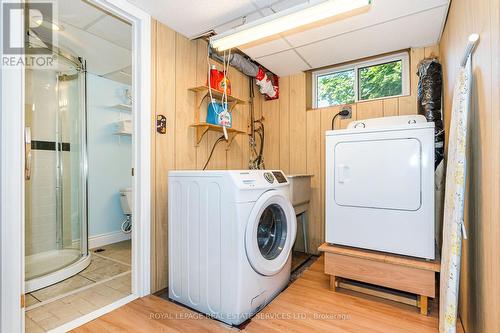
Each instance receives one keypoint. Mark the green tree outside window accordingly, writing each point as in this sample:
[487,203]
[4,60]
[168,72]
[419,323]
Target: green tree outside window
[381,81]
[336,88]
[376,81]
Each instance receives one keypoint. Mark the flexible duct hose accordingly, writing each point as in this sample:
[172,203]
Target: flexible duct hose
[430,86]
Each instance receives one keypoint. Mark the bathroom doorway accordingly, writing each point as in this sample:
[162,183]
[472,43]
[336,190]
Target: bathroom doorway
[78,175]
[13,154]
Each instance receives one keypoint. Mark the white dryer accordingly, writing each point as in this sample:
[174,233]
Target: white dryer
[230,236]
[380,185]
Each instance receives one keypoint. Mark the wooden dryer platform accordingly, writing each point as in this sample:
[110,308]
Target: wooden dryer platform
[407,274]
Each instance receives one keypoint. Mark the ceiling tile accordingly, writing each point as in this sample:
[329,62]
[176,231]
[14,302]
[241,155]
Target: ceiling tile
[282,5]
[271,47]
[284,63]
[194,17]
[391,36]
[102,56]
[264,3]
[77,12]
[120,76]
[113,30]
[237,22]
[380,11]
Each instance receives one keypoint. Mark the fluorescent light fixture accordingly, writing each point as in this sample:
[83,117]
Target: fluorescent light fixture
[36,20]
[49,25]
[285,20]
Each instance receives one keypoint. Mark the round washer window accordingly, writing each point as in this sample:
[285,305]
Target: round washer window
[271,231]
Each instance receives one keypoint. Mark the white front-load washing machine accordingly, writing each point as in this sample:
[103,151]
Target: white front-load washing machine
[230,237]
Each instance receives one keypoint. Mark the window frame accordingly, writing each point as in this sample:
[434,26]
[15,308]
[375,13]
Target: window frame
[404,57]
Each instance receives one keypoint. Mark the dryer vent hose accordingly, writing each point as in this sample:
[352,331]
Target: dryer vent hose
[430,85]
[266,81]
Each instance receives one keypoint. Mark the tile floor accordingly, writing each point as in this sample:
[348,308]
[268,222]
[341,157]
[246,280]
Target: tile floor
[105,280]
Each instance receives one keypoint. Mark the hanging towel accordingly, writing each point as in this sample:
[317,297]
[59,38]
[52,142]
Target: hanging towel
[453,228]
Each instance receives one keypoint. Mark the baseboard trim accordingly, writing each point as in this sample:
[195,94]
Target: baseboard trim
[108,238]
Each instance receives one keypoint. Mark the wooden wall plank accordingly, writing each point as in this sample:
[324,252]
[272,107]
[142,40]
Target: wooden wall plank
[298,126]
[185,74]
[480,280]
[179,64]
[431,51]
[315,227]
[494,302]
[326,116]
[408,104]
[270,112]
[240,88]
[154,60]
[391,107]
[164,145]
[416,56]
[367,110]
[284,102]
[201,79]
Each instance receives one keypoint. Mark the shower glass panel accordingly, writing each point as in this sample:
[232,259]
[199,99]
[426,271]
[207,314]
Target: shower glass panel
[56,244]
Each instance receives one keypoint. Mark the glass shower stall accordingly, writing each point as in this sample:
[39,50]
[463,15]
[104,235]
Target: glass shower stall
[56,240]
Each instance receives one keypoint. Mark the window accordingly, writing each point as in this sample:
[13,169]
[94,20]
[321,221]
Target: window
[379,78]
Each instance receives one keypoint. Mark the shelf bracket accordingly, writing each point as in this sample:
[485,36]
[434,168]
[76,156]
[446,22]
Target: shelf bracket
[230,140]
[200,133]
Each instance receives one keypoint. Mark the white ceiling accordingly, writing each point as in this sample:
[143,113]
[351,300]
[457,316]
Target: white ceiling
[103,40]
[390,25]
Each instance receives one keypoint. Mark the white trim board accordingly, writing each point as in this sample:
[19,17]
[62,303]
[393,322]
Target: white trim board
[93,315]
[108,238]
[11,184]
[12,173]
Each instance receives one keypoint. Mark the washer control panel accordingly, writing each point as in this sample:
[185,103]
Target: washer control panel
[251,179]
[269,177]
[280,177]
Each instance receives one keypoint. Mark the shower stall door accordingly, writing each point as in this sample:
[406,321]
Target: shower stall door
[56,243]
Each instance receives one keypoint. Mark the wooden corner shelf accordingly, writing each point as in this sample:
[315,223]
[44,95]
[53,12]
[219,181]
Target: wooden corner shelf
[203,128]
[203,92]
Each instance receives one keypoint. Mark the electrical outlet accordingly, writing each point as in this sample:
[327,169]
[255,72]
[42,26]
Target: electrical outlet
[349,109]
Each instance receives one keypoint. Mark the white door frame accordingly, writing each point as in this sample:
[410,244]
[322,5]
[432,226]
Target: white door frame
[141,140]
[11,188]
[12,174]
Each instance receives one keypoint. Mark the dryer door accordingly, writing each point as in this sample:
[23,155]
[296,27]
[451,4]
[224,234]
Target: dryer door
[270,233]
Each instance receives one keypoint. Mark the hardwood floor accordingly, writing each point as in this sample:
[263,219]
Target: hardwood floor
[307,305]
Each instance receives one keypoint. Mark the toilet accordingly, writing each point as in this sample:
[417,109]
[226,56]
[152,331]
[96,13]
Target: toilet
[126,200]
[126,203]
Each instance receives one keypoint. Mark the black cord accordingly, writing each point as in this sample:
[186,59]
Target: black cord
[262,138]
[261,133]
[333,120]
[213,149]
[343,113]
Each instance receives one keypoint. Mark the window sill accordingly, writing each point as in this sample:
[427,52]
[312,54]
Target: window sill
[358,102]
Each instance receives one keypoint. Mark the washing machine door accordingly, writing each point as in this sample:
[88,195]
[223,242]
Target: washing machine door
[270,233]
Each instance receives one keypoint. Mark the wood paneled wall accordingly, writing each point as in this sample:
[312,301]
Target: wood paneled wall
[295,141]
[480,280]
[180,64]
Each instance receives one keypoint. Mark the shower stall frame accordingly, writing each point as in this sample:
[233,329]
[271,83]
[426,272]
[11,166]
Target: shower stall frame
[79,265]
